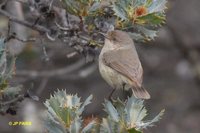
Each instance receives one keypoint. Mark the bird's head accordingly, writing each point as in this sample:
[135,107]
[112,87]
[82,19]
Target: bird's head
[119,37]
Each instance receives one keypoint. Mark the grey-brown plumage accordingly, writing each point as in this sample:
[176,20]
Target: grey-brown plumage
[119,64]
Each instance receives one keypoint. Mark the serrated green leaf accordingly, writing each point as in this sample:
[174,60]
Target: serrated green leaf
[3,64]
[119,12]
[147,23]
[148,3]
[133,131]
[71,6]
[151,122]
[10,68]
[105,127]
[87,101]
[139,2]
[75,126]
[137,37]
[65,109]
[94,7]
[81,7]
[12,92]
[63,106]
[147,33]
[6,65]
[112,112]
[136,111]
[110,126]
[152,19]
[157,6]
[53,125]
[89,126]
[119,105]
[3,60]
[128,121]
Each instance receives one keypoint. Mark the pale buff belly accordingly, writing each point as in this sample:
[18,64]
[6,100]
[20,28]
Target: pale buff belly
[113,78]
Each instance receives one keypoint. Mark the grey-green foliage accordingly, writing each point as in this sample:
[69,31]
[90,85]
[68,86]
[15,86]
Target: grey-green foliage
[6,69]
[81,8]
[126,117]
[6,66]
[141,18]
[8,94]
[64,113]
[144,16]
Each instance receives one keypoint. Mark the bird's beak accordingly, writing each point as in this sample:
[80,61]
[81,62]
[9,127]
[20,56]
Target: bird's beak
[105,35]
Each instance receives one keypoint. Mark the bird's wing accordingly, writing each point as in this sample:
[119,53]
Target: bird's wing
[127,64]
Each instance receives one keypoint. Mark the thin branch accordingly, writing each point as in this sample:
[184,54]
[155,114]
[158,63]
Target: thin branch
[83,73]
[39,28]
[14,100]
[42,85]
[51,73]
[62,28]
[13,36]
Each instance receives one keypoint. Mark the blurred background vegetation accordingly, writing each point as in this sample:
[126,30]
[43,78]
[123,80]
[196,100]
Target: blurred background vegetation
[171,71]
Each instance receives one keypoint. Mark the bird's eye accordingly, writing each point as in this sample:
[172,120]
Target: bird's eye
[114,39]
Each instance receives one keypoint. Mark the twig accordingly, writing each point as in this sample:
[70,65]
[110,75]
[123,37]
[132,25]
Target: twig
[14,100]
[82,73]
[3,3]
[51,73]
[13,36]
[62,28]
[39,28]
[42,86]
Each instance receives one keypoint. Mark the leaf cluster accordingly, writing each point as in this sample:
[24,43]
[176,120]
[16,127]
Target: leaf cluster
[141,18]
[8,95]
[65,115]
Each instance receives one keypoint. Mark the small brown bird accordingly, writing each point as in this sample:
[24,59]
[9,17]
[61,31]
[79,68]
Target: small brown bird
[119,64]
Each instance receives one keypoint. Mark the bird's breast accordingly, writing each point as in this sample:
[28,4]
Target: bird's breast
[108,74]
[112,77]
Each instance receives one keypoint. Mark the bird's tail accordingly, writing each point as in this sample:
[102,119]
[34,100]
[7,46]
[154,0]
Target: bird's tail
[141,93]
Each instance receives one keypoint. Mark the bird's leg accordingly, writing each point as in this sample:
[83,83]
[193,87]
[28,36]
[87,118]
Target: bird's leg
[123,87]
[36,21]
[125,93]
[110,96]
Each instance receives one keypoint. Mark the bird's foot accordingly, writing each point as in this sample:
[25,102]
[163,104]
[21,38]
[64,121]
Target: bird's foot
[110,96]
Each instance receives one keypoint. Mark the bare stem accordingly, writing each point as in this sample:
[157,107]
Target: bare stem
[38,28]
